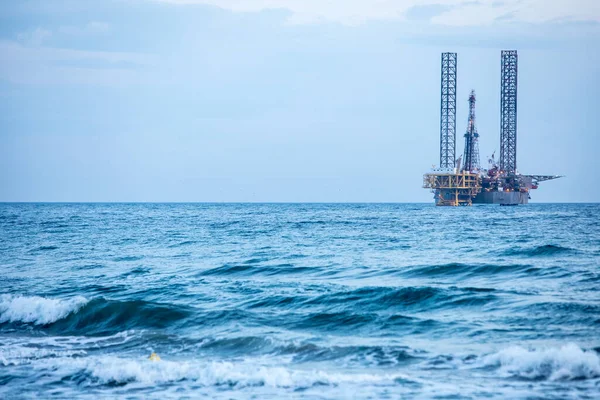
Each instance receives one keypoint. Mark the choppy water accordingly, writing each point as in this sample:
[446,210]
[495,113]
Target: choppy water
[276,301]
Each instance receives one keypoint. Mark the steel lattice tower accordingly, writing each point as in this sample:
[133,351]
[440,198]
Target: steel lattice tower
[508,112]
[448,111]
[471,154]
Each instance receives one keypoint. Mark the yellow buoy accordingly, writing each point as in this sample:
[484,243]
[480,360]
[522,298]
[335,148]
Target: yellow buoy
[154,357]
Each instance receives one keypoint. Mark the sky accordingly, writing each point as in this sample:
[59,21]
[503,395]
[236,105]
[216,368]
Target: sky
[284,100]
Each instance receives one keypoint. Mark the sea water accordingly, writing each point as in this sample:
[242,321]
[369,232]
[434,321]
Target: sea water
[315,301]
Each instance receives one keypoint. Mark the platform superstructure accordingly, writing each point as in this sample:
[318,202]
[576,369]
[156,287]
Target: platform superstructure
[462,181]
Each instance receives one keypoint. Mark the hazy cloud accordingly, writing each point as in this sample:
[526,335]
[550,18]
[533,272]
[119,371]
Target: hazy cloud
[91,28]
[35,37]
[47,65]
[426,12]
[453,12]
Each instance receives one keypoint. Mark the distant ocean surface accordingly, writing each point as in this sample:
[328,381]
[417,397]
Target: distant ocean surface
[299,301]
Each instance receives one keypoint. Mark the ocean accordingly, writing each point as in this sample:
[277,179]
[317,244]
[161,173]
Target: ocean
[299,301]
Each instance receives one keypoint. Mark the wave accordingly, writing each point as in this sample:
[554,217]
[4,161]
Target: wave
[101,316]
[37,310]
[352,355]
[97,317]
[250,270]
[537,251]
[276,301]
[379,310]
[472,270]
[388,298]
[136,271]
[16,355]
[47,248]
[302,351]
[568,362]
[182,244]
[116,371]
[127,258]
[349,323]
[344,321]
[563,312]
[380,297]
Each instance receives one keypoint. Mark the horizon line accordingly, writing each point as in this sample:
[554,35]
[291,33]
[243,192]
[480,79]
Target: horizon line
[261,202]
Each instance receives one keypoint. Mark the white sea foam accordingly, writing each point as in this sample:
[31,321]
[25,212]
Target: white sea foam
[117,370]
[19,355]
[563,363]
[220,374]
[37,310]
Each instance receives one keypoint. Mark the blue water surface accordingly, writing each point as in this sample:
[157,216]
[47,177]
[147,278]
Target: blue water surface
[315,301]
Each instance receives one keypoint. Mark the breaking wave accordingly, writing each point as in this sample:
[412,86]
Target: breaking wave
[19,355]
[82,316]
[568,362]
[116,371]
[37,310]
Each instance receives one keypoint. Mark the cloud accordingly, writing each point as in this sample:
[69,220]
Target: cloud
[91,28]
[529,11]
[451,12]
[35,37]
[40,36]
[23,64]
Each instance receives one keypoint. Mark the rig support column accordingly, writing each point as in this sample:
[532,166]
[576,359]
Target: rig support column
[508,113]
[448,111]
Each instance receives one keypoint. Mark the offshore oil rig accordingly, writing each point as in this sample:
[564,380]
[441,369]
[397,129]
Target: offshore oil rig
[462,181]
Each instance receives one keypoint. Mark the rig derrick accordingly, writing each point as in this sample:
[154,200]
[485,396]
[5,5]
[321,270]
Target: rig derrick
[471,154]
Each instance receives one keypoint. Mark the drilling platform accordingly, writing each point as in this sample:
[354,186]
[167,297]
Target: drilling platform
[462,181]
